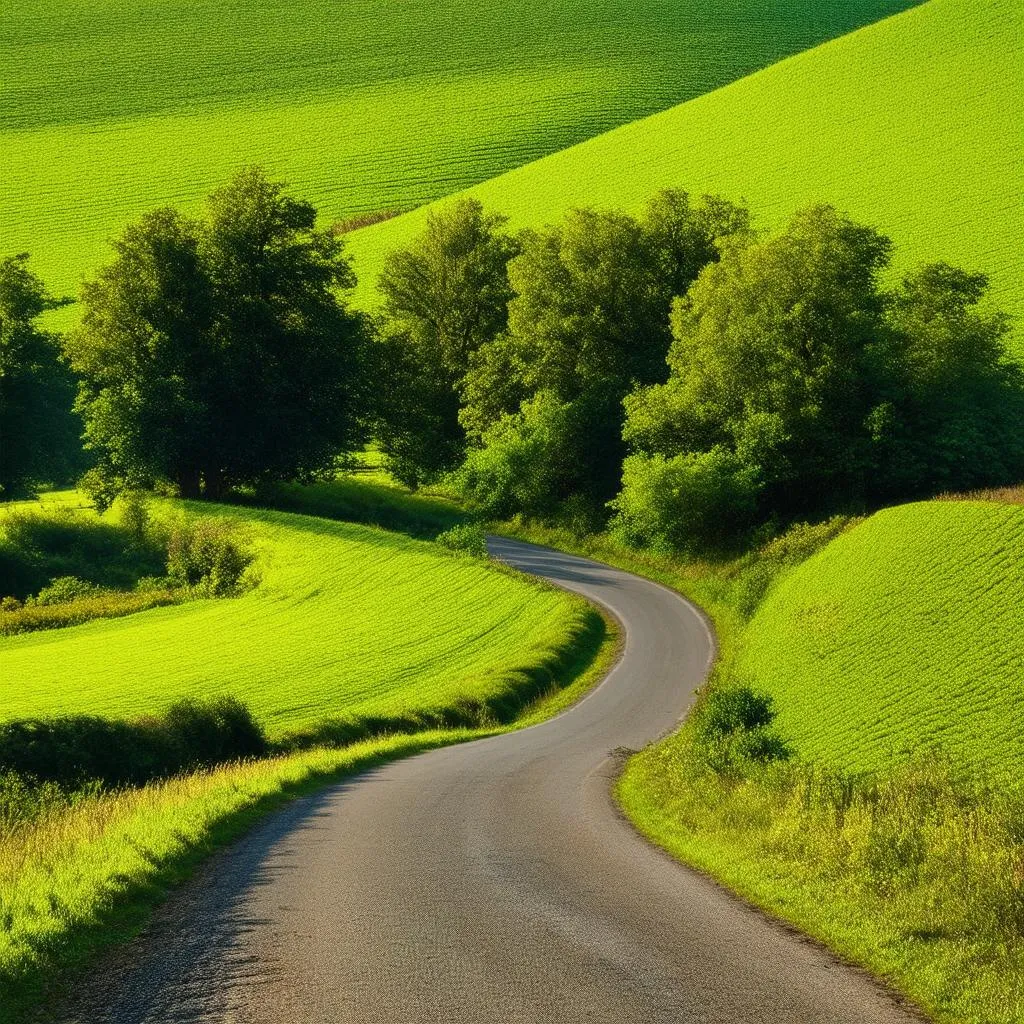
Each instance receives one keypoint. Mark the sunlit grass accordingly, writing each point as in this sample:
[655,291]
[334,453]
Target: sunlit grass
[908,125]
[347,621]
[916,872]
[362,106]
[906,631]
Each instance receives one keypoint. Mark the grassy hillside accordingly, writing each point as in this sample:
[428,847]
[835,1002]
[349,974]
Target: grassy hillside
[362,106]
[348,620]
[907,630]
[910,124]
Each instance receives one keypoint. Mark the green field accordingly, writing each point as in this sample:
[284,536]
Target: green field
[347,621]
[911,125]
[906,631]
[108,109]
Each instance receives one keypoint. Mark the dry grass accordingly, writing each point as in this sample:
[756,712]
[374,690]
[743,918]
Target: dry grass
[1004,495]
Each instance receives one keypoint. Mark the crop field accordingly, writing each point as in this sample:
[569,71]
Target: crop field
[108,109]
[907,630]
[347,621]
[910,125]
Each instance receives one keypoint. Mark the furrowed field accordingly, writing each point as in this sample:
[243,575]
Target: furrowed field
[347,621]
[362,106]
[909,125]
[907,630]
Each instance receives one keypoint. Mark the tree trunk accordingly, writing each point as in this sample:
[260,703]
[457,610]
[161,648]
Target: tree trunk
[188,483]
[213,484]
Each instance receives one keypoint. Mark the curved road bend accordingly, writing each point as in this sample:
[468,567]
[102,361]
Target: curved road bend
[491,883]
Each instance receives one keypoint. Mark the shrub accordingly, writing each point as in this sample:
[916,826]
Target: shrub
[467,538]
[527,462]
[685,502]
[65,589]
[76,749]
[734,730]
[207,733]
[207,556]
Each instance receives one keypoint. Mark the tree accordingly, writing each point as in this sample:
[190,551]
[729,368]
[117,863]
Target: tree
[774,367]
[39,435]
[955,421]
[590,321]
[799,386]
[444,297]
[217,352]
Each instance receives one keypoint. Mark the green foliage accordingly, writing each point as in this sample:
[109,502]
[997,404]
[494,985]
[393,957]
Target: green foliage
[906,630]
[357,113]
[798,387]
[467,538]
[527,461]
[733,730]
[39,546]
[64,589]
[209,557]
[588,321]
[690,502]
[444,296]
[955,196]
[315,640]
[74,750]
[38,432]
[215,353]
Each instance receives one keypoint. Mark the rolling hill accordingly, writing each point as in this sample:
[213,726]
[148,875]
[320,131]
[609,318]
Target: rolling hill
[347,621]
[108,109]
[911,124]
[907,630]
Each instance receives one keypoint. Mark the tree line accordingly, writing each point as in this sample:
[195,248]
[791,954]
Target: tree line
[676,375]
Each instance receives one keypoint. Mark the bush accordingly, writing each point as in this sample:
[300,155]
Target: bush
[467,538]
[78,749]
[208,557]
[733,727]
[685,502]
[65,589]
[38,547]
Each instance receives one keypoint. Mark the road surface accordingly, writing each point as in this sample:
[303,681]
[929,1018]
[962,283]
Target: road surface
[489,883]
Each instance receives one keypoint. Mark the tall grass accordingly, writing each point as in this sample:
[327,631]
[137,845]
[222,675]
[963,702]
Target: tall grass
[915,871]
[79,874]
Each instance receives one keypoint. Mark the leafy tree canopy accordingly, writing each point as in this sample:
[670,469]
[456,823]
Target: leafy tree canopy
[39,435]
[798,385]
[216,351]
[444,297]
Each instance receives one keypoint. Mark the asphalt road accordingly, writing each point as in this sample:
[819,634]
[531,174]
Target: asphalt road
[489,882]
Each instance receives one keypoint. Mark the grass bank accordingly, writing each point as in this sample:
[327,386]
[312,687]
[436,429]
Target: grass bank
[367,628]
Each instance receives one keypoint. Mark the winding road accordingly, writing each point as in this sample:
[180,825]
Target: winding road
[489,883]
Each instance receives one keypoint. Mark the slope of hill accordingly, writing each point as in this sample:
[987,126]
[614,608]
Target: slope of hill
[911,124]
[907,630]
[347,620]
[108,109]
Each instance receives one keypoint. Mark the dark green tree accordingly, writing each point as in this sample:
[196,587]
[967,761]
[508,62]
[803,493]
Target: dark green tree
[956,420]
[39,435]
[799,386]
[590,321]
[217,352]
[444,296]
